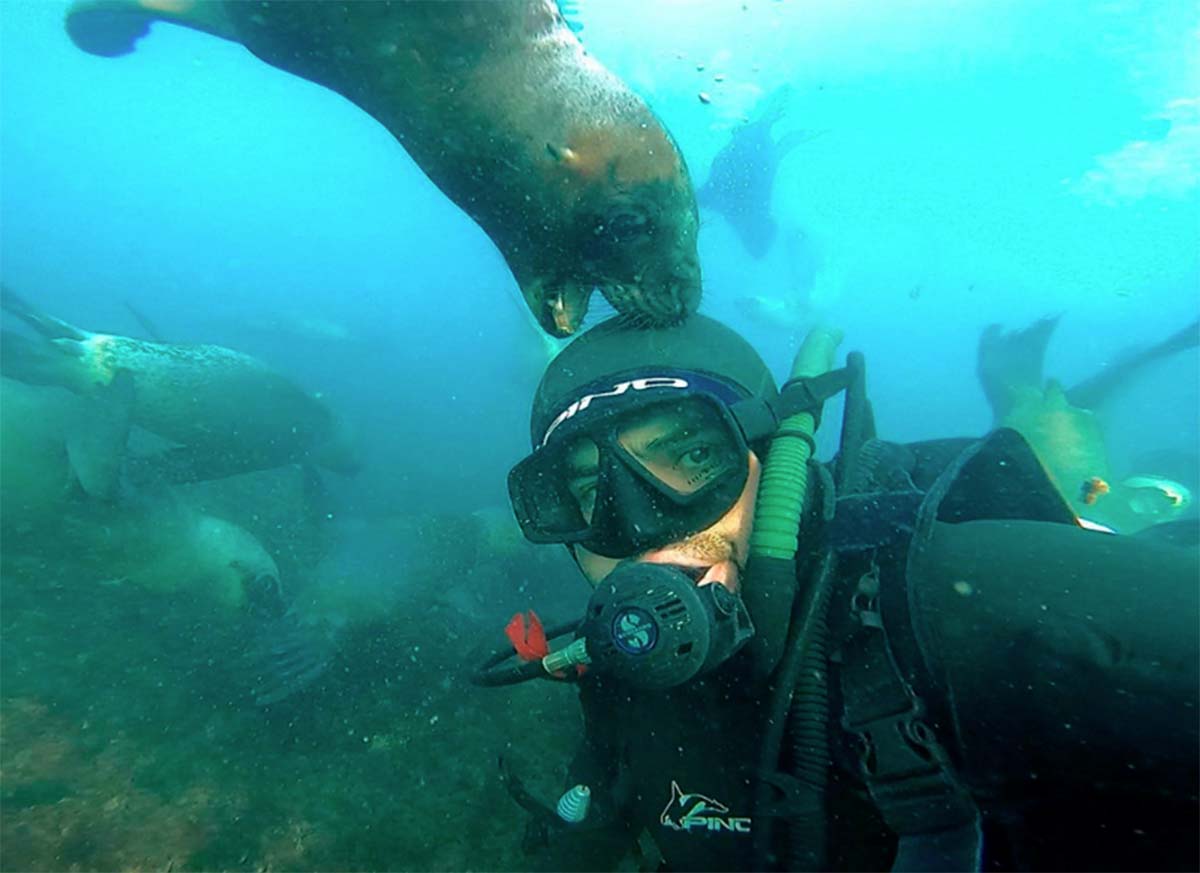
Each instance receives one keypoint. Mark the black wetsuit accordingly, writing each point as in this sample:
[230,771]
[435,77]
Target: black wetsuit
[1058,669]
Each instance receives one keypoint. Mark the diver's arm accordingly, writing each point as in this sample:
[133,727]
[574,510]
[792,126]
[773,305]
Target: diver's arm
[1066,654]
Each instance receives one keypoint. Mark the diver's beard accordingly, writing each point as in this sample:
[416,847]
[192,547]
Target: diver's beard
[710,547]
[721,550]
[714,555]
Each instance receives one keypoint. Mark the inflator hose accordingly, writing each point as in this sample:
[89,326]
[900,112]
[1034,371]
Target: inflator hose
[800,697]
[774,541]
[800,702]
[808,725]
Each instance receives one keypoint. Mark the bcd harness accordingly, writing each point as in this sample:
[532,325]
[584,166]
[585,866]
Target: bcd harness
[894,708]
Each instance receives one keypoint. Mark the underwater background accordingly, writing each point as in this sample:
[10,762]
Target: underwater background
[967,163]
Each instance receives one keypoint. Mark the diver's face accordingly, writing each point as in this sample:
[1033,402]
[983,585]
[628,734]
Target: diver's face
[718,553]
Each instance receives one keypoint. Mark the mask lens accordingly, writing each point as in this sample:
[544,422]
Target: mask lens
[546,502]
[684,445]
[581,469]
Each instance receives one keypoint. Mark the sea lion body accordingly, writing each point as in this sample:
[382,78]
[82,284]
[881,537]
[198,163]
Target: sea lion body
[225,411]
[202,394]
[567,170]
[36,476]
[741,180]
[159,544]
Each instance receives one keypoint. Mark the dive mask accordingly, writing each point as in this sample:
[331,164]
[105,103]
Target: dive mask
[634,464]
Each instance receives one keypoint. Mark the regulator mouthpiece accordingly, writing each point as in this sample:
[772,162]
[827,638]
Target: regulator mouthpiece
[650,625]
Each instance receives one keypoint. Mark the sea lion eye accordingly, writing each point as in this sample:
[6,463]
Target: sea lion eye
[624,226]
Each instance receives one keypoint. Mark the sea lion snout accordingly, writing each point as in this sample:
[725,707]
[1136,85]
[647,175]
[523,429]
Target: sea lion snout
[263,591]
[637,246]
[660,297]
[660,285]
[667,305]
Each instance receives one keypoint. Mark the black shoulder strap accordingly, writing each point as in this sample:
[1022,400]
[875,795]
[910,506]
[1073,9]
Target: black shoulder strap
[907,771]
[892,705]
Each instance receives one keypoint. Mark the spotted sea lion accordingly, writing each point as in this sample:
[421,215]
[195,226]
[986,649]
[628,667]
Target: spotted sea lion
[567,170]
[224,412]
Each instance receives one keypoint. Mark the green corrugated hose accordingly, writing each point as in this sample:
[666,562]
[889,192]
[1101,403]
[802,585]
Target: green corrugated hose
[799,696]
[785,475]
[770,586]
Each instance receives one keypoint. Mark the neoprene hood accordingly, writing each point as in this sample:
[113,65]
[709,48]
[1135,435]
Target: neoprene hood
[618,349]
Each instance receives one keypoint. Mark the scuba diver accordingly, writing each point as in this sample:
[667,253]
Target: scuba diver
[912,657]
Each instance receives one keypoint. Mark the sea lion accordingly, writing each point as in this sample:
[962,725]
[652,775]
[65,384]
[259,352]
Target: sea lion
[1062,425]
[45,459]
[226,412]
[567,170]
[152,542]
[53,443]
[742,177]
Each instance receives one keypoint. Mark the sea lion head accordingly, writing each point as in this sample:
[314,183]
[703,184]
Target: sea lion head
[626,225]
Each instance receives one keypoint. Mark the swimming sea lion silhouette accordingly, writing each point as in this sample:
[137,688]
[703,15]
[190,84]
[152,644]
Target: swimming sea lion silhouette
[567,170]
[742,177]
[226,412]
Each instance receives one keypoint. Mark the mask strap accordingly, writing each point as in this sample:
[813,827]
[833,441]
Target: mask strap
[760,418]
[809,393]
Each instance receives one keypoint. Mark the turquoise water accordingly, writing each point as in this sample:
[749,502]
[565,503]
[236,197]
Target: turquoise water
[969,163]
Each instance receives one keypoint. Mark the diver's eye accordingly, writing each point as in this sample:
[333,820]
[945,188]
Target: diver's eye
[696,456]
[585,495]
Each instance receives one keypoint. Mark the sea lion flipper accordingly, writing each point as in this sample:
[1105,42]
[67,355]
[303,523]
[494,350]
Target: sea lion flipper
[47,325]
[286,656]
[1092,393]
[96,445]
[1009,363]
[149,327]
[36,362]
[111,28]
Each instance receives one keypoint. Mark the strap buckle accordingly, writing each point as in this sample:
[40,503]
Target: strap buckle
[906,769]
